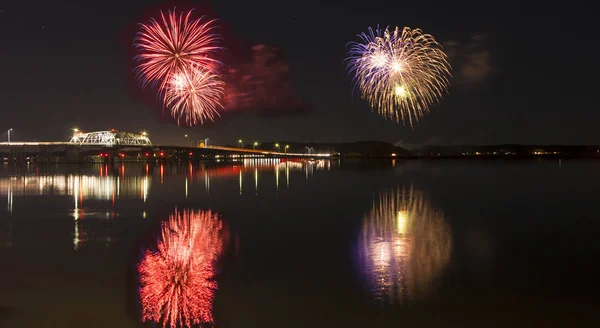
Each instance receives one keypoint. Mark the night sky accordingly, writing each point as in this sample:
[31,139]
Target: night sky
[521,72]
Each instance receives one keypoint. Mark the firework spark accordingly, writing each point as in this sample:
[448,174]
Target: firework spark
[194,95]
[404,246]
[400,73]
[177,285]
[173,43]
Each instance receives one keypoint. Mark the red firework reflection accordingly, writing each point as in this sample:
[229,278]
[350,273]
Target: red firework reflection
[177,285]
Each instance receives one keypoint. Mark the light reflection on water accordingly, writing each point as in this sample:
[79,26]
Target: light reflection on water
[113,183]
[404,246]
[291,246]
[177,285]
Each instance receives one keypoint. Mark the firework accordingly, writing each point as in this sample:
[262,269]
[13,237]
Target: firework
[404,246]
[194,95]
[173,43]
[177,285]
[400,73]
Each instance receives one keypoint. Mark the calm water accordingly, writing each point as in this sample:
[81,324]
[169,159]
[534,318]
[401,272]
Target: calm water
[301,244]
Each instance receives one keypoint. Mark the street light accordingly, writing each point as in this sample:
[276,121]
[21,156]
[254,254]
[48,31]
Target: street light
[187,143]
[241,142]
[277,146]
[254,145]
[286,148]
[9,134]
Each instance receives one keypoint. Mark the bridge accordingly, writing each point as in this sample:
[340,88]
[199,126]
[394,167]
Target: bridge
[113,145]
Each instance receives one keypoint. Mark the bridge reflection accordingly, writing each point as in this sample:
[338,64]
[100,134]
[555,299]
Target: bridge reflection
[97,186]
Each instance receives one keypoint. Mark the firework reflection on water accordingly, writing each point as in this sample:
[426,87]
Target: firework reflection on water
[177,280]
[404,246]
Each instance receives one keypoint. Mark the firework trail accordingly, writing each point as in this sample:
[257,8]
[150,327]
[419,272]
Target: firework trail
[400,73]
[404,246]
[177,285]
[194,95]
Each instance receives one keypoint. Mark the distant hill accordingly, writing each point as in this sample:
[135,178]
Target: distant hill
[508,149]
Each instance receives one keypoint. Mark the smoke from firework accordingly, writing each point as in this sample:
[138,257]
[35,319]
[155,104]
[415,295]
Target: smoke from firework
[262,84]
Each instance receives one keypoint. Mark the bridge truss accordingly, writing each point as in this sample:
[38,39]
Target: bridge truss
[110,138]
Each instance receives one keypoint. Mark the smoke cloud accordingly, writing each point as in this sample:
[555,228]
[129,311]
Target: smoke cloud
[471,60]
[262,84]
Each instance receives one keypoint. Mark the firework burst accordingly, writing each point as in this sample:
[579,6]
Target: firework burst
[177,285]
[194,95]
[173,43]
[400,73]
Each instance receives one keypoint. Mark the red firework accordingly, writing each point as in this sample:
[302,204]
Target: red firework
[194,95]
[173,43]
[177,285]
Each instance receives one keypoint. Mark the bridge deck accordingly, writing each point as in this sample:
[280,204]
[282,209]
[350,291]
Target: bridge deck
[264,152]
[217,148]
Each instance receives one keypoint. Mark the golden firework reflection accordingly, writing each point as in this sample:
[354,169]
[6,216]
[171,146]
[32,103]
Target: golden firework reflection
[404,246]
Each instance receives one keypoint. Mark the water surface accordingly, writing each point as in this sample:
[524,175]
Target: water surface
[266,243]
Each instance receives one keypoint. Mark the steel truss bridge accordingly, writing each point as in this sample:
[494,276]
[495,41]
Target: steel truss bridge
[110,138]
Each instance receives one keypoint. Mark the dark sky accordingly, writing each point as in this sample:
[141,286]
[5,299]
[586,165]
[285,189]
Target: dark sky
[520,70]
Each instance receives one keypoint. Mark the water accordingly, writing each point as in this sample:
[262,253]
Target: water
[302,244]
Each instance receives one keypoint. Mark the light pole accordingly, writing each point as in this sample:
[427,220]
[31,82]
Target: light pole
[286,148]
[187,142]
[277,146]
[254,145]
[241,142]
[9,134]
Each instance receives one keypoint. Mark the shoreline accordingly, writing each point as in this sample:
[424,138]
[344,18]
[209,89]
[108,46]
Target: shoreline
[313,158]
